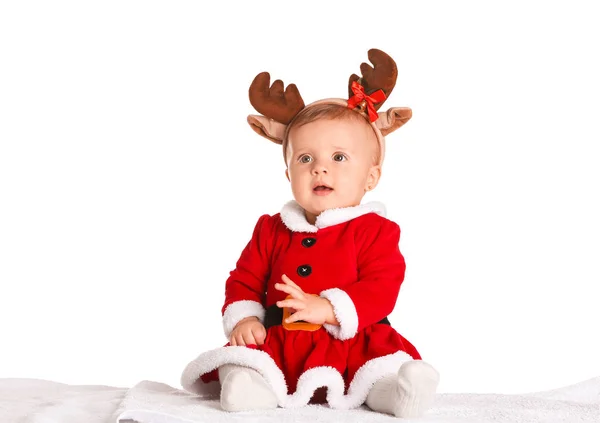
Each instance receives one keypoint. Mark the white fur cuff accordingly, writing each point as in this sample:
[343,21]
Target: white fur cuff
[239,310]
[345,313]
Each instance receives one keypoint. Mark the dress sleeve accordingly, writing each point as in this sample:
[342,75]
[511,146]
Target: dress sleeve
[373,296]
[246,285]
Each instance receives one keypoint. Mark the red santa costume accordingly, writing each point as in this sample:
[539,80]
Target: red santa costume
[350,256]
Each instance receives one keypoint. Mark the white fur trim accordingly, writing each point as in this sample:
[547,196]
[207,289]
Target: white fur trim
[292,215]
[239,310]
[345,313]
[242,356]
[367,375]
[309,381]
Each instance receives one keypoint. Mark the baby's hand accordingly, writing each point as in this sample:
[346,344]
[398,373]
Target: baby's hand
[248,331]
[310,308]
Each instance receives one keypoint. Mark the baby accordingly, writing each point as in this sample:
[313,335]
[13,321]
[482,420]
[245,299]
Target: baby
[306,306]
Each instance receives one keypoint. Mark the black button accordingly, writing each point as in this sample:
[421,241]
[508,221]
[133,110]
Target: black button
[304,270]
[309,242]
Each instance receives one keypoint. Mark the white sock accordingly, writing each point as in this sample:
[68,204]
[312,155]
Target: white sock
[410,393]
[382,395]
[243,389]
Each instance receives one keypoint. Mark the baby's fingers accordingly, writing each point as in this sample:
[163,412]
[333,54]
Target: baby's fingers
[296,293]
[259,335]
[292,303]
[239,340]
[236,340]
[249,338]
[290,282]
[299,315]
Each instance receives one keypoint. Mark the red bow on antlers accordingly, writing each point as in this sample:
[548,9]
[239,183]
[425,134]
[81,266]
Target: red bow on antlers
[359,95]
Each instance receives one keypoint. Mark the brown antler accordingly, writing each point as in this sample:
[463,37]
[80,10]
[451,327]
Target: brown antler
[382,76]
[273,102]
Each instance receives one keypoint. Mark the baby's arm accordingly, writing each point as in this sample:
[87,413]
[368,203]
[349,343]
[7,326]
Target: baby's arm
[373,296]
[246,285]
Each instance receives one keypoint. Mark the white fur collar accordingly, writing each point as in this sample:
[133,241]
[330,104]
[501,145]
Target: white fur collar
[292,215]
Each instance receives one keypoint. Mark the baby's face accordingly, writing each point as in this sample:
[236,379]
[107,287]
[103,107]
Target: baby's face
[338,154]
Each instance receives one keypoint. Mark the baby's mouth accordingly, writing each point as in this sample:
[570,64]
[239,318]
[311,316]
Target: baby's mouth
[322,188]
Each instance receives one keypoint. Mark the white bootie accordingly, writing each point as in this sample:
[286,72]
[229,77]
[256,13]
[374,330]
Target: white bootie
[244,389]
[410,393]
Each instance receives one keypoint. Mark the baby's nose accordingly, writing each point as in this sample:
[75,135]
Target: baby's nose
[319,169]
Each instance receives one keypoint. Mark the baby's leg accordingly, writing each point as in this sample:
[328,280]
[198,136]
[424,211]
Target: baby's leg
[243,388]
[410,393]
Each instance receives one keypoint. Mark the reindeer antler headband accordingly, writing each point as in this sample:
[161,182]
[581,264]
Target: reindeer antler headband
[366,95]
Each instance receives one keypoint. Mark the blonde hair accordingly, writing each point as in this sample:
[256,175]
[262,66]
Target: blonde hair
[326,111]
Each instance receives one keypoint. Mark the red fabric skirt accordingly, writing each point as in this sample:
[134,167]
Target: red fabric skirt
[295,352]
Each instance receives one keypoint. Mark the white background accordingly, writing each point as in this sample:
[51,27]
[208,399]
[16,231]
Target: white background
[130,180]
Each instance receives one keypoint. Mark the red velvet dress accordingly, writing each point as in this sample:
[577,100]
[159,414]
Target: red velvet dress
[350,256]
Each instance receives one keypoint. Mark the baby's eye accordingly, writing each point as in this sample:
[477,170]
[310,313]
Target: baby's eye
[305,158]
[339,157]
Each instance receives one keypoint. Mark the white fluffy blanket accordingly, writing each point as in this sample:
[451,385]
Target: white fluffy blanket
[39,401]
